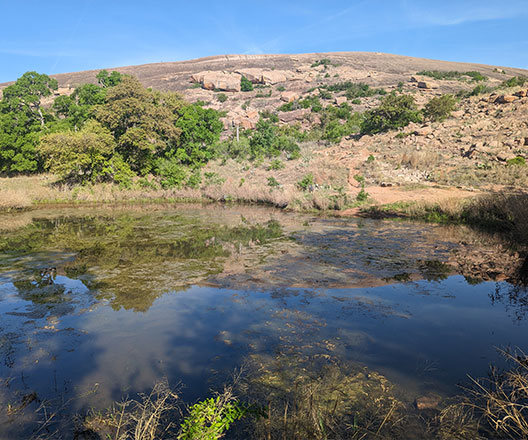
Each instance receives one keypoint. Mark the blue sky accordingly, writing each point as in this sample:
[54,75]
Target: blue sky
[63,36]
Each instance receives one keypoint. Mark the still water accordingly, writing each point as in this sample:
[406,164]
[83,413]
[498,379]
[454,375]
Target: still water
[100,303]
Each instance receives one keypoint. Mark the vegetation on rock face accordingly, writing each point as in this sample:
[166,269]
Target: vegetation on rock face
[516,81]
[354,90]
[245,84]
[453,75]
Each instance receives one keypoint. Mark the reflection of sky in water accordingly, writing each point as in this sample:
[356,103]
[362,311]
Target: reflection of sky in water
[422,334]
[133,319]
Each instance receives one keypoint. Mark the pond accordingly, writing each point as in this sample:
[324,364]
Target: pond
[99,303]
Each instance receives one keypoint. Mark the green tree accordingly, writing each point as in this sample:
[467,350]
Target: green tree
[395,111]
[87,155]
[81,105]
[200,130]
[142,122]
[108,80]
[27,93]
[22,118]
[19,136]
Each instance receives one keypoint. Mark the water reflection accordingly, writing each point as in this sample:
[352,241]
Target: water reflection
[121,299]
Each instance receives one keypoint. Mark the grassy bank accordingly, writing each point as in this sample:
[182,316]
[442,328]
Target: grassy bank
[502,213]
[291,186]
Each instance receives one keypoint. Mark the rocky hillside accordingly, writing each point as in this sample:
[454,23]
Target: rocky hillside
[486,130]
[284,78]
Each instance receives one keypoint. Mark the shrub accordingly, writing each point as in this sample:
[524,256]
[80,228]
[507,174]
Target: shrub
[172,173]
[272,182]
[325,94]
[453,75]
[119,171]
[395,111]
[519,160]
[276,164]
[289,106]
[266,142]
[311,102]
[221,97]
[281,88]
[323,62]
[439,108]
[306,182]
[210,418]
[245,84]
[516,81]
[266,114]
[477,90]
[362,195]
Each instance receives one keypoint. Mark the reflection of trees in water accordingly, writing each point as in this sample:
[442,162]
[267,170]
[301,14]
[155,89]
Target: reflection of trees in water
[514,296]
[132,260]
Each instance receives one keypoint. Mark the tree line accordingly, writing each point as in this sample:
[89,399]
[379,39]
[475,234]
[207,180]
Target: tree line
[109,131]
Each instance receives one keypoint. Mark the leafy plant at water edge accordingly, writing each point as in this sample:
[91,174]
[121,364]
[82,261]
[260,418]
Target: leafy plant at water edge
[209,419]
[83,156]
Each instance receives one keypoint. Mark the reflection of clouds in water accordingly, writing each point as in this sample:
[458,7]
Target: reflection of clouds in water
[142,326]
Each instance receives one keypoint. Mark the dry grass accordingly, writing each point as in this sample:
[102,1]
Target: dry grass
[231,181]
[503,397]
[150,417]
[419,160]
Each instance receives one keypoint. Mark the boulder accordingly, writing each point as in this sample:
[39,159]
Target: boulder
[198,77]
[339,100]
[520,94]
[423,131]
[506,99]
[252,114]
[426,85]
[494,144]
[413,79]
[253,74]
[228,82]
[274,76]
[245,123]
[289,96]
[458,114]
[293,116]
